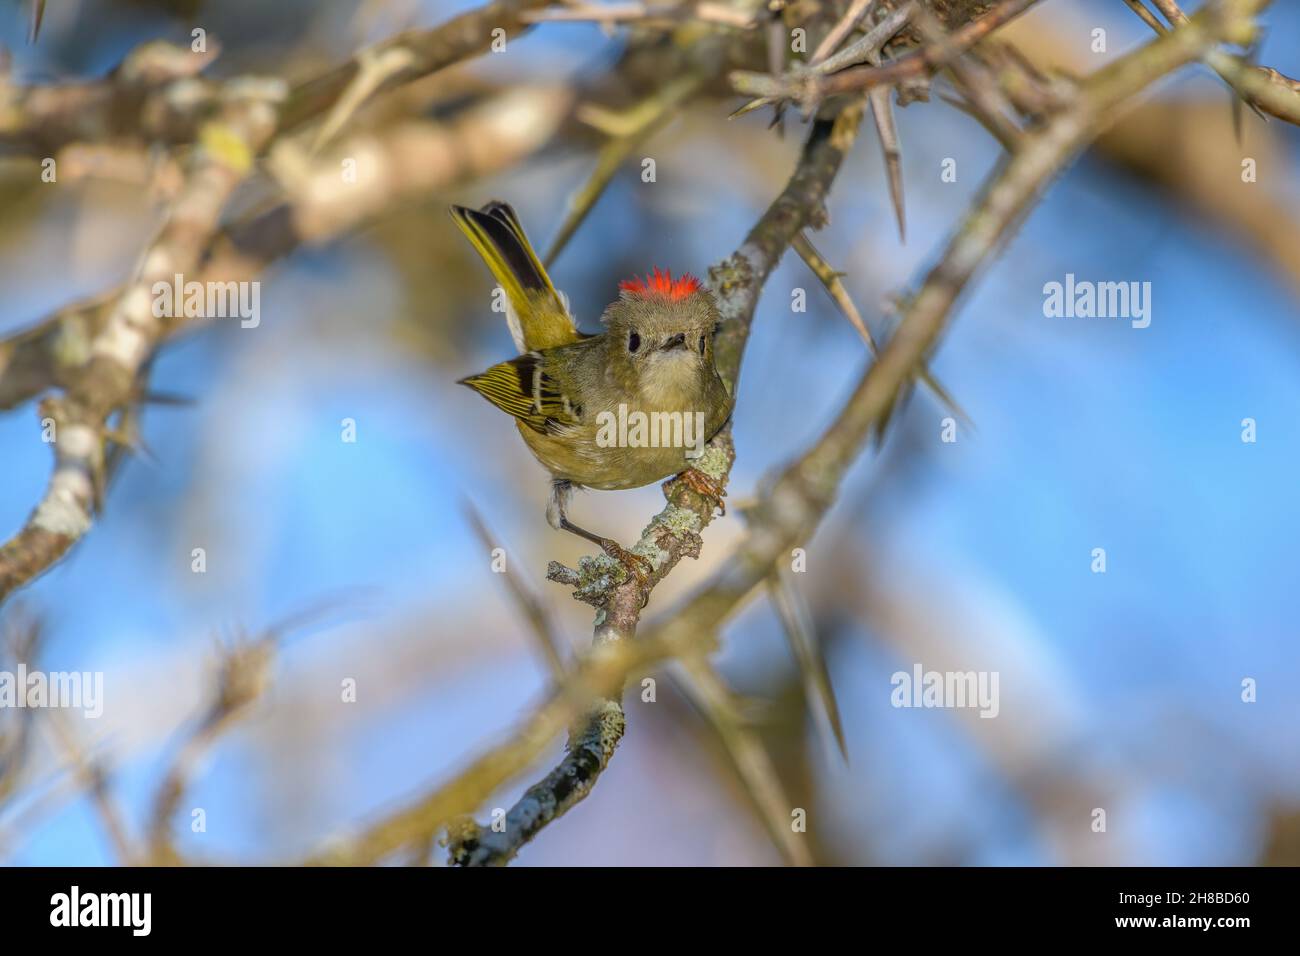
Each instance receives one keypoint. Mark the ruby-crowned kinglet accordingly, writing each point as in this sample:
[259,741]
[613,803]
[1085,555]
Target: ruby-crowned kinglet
[617,409]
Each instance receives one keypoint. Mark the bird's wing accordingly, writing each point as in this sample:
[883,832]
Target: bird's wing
[525,388]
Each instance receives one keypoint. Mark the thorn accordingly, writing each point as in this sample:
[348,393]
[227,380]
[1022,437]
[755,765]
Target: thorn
[1145,15]
[1236,116]
[132,442]
[812,665]
[98,483]
[831,280]
[750,107]
[883,112]
[778,120]
[776,65]
[165,398]
[38,14]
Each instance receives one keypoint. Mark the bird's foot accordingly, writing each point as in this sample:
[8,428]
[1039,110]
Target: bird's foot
[636,565]
[702,485]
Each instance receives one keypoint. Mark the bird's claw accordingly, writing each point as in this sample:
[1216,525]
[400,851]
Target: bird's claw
[637,566]
[703,485]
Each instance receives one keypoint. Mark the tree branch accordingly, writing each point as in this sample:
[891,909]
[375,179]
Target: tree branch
[122,348]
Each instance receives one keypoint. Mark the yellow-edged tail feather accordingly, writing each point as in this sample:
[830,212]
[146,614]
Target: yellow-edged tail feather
[538,315]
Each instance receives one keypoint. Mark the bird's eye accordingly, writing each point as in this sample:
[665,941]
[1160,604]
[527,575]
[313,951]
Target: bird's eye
[633,341]
[701,345]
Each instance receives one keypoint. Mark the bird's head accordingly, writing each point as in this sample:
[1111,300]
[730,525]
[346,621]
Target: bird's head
[660,333]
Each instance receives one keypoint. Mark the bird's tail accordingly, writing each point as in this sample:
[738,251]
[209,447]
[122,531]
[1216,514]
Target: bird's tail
[537,312]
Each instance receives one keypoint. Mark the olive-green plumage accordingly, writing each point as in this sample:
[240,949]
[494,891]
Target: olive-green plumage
[569,391]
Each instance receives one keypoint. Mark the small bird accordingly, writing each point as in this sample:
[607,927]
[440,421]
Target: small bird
[616,409]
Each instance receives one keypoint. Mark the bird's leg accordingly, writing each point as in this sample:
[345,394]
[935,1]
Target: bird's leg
[636,565]
[702,485]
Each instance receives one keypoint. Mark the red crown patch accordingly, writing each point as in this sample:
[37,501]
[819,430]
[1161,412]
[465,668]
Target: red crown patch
[662,284]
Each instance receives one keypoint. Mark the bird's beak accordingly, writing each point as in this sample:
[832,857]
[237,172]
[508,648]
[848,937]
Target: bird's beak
[678,341]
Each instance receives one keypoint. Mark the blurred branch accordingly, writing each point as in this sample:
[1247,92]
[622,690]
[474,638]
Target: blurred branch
[92,776]
[157,96]
[122,348]
[857,11]
[796,621]
[409,159]
[752,763]
[374,171]
[418,53]
[391,165]
[242,677]
[51,352]
[719,14]
[1177,145]
[20,641]
[1265,89]
[1183,152]
[813,86]
[528,602]
[634,127]
[154,95]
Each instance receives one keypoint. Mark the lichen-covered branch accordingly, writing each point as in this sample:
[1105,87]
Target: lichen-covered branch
[590,748]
